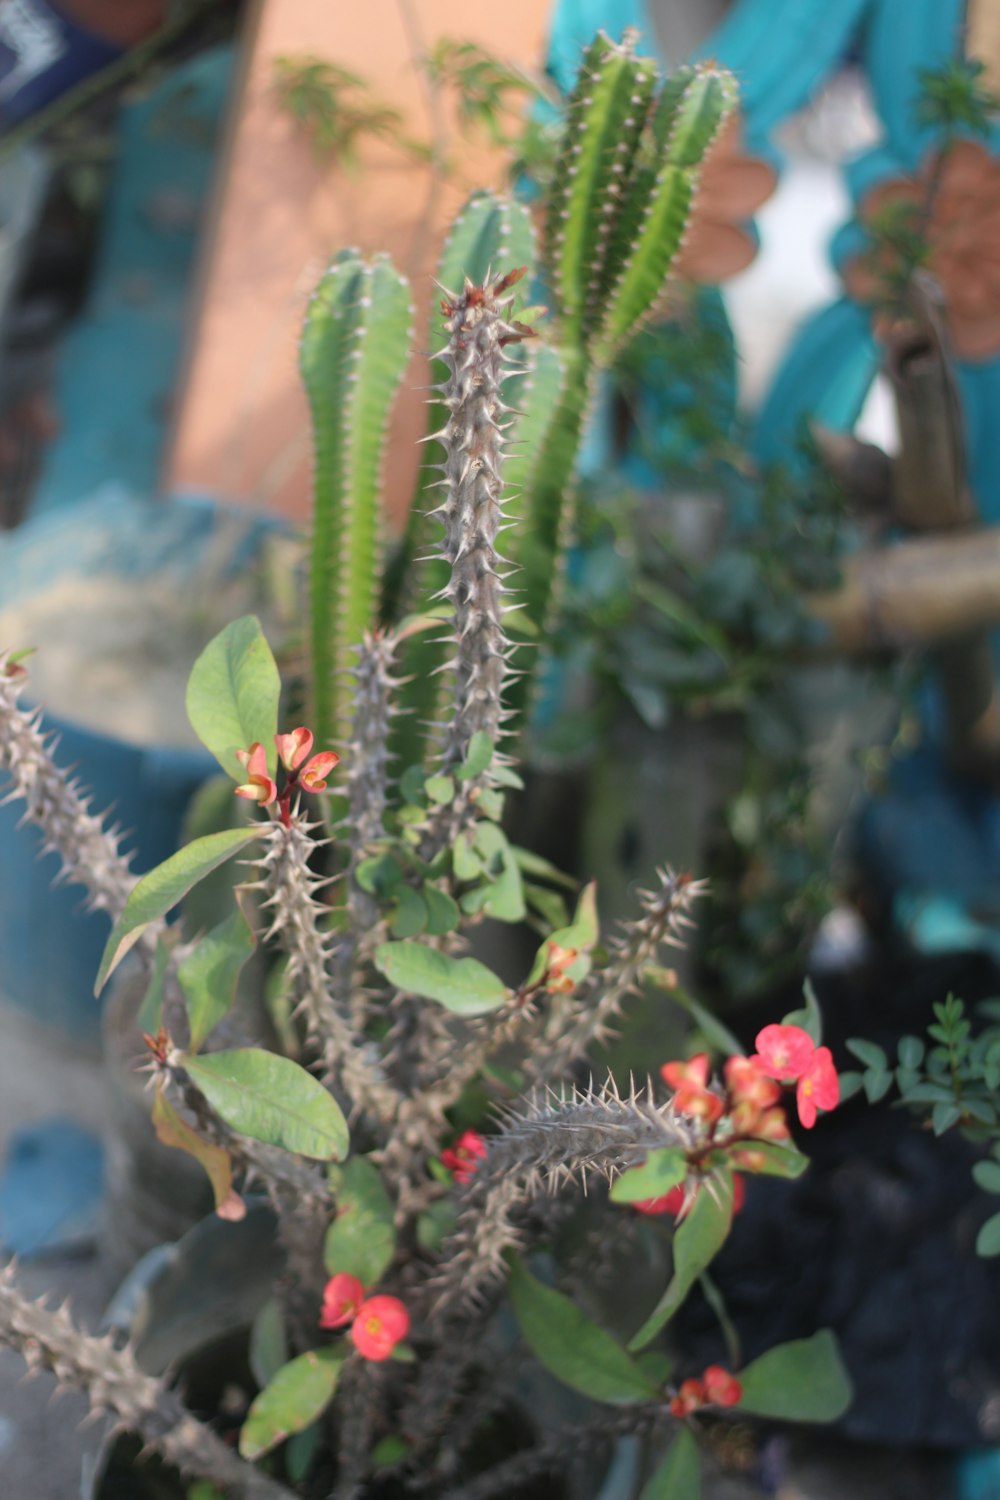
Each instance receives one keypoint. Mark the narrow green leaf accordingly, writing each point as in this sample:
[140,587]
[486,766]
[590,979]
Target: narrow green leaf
[159,891]
[661,1171]
[988,1238]
[803,1381]
[271,1099]
[678,1477]
[293,1399]
[362,1238]
[151,1010]
[208,975]
[696,1242]
[462,985]
[576,1350]
[542,869]
[232,695]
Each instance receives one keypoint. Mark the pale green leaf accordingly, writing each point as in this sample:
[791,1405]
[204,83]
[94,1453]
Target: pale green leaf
[232,695]
[208,975]
[293,1399]
[462,985]
[271,1099]
[803,1381]
[678,1477]
[159,891]
[362,1238]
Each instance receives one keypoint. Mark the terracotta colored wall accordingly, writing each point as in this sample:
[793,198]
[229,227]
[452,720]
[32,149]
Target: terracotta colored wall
[241,430]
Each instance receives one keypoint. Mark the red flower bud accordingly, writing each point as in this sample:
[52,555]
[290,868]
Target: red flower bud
[342,1297]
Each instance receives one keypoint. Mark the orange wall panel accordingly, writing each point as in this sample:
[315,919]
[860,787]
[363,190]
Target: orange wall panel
[241,430]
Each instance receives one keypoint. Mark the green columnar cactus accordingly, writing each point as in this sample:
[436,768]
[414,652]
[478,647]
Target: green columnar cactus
[355,345]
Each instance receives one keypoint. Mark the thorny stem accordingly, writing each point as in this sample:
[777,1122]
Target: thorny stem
[87,847]
[291,895]
[113,1382]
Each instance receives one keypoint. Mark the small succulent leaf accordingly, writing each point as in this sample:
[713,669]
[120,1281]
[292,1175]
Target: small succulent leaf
[268,1343]
[802,1381]
[986,1175]
[294,1397]
[696,1242]
[354,350]
[173,1131]
[868,1053]
[443,914]
[271,1099]
[988,1238]
[361,1240]
[232,695]
[440,790]
[582,933]
[661,1171]
[543,869]
[409,916]
[209,974]
[159,891]
[774,1160]
[462,985]
[809,1017]
[378,875]
[477,757]
[571,1347]
[678,1477]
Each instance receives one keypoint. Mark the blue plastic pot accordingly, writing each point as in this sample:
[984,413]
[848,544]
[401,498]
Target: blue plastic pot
[50,947]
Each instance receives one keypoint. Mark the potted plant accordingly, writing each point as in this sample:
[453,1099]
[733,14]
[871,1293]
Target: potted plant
[440,1318]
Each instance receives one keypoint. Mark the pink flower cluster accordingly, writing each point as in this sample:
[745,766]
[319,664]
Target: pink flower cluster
[790,1055]
[377,1324]
[304,769]
[463,1157]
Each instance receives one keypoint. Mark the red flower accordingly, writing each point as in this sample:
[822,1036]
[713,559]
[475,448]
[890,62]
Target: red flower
[259,787]
[721,1388]
[381,1323]
[691,1095]
[342,1297]
[784,1052]
[313,776]
[461,1159]
[818,1088]
[717,1387]
[690,1397]
[293,748]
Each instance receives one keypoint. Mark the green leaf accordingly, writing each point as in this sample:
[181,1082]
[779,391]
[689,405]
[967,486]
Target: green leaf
[159,891]
[232,695]
[542,869]
[944,1116]
[678,1477]
[151,1010]
[409,916]
[876,1085]
[661,1171]
[208,975]
[578,1352]
[271,1099]
[804,1381]
[389,1450]
[293,1399]
[301,1450]
[582,933]
[443,914]
[776,1160]
[986,1174]
[866,1052]
[501,896]
[378,875]
[988,1238]
[465,861]
[462,985]
[362,1238]
[696,1242]
[911,1052]
[440,789]
[477,757]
